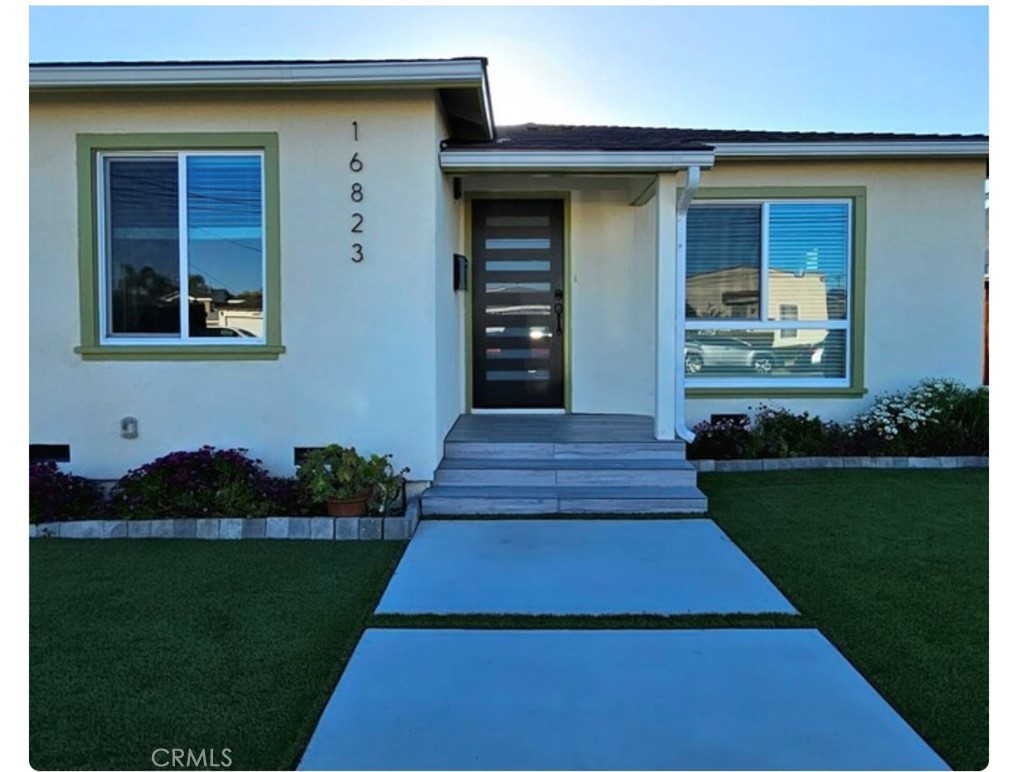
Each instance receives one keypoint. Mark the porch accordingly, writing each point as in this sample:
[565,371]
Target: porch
[574,290]
[547,464]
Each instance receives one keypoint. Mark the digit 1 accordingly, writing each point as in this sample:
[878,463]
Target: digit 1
[356,136]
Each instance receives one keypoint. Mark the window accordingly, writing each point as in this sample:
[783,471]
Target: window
[181,256]
[768,293]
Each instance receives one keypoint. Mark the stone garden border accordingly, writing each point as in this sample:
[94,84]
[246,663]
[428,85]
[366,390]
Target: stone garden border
[232,528]
[840,462]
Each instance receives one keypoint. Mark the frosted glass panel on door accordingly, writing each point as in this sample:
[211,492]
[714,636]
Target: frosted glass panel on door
[518,375]
[517,243]
[518,221]
[517,286]
[518,265]
[520,310]
[534,332]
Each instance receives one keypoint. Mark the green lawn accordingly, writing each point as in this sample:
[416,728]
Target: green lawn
[138,645]
[893,567]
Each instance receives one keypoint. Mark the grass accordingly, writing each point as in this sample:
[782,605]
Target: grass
[892,566]
[137,645]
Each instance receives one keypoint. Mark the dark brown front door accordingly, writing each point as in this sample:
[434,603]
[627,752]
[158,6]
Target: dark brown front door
[518,304]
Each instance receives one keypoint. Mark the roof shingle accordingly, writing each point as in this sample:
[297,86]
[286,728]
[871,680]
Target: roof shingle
[534,136]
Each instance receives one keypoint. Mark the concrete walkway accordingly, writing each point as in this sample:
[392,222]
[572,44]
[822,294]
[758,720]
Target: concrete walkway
[608,699]
[577,567]
[521,699]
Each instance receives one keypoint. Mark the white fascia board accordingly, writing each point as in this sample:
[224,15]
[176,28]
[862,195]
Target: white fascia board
[898,149]
[440,73]
[571,161]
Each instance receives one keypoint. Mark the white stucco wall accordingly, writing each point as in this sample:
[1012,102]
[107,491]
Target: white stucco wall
[450,311]
[360,365]
[613,296]
[924,270]
[375,351]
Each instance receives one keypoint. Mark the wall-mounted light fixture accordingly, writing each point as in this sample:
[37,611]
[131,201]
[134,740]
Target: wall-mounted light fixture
[129,428]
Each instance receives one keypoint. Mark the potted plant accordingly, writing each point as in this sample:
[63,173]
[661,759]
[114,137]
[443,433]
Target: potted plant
[343,480]
[389,487]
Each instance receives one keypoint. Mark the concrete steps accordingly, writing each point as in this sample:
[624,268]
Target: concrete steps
[565,471]
[566,450]
[478,478]
[477,501]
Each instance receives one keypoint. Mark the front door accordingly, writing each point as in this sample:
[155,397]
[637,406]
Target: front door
[518,304]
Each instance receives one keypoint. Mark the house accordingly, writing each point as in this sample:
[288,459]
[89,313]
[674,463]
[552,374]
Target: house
[332,201]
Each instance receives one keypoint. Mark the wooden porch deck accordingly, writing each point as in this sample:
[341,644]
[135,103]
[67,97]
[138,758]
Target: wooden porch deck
[551,428]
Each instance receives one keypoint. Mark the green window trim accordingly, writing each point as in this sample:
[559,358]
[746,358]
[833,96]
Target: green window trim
[857,195]
[161,352]
[787,392]
[88,148]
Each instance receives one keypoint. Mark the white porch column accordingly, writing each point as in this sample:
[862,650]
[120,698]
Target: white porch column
[684,200]
[667,306]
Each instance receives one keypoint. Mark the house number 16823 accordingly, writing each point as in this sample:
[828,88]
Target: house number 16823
[357,196]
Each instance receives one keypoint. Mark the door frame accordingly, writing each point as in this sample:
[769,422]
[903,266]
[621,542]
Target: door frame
[565,197]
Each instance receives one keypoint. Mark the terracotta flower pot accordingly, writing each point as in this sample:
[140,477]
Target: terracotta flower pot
[355,506]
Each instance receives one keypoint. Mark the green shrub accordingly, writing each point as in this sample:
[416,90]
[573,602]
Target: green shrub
[54,495]
[779,433]
[200,483]
[728,437]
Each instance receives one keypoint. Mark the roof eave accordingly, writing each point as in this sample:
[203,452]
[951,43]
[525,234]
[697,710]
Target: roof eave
[463,161]
[860,149]
[445,76]
[467,72]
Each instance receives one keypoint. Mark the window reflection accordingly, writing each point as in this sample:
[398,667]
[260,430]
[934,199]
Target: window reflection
[783,352]
[144,254]
[225,255]
[724,259]
[222,247]
[808,259]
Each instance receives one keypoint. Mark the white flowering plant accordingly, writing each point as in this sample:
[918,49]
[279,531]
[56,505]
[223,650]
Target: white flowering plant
[938,416]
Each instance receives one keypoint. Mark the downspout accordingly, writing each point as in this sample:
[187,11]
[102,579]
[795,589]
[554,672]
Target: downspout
[684,201]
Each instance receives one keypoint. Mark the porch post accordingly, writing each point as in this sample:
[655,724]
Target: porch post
[667,306]
[684,200]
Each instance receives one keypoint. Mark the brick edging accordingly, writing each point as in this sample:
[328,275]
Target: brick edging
[233,528]
[840,462]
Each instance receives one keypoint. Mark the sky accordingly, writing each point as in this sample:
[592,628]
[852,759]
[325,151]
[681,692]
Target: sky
[856,68]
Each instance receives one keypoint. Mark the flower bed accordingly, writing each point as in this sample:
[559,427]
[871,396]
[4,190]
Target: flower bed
[207,484]
[936,418]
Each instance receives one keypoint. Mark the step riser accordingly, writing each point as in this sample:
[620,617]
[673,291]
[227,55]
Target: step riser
[630,506]
[592,477]
[494,477]
[479,507]
[472,507]
[623,477]
[569,450]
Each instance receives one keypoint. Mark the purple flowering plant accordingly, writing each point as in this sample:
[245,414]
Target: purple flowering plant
[54,495]
[198,483]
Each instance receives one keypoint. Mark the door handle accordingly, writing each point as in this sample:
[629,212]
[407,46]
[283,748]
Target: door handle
[559,307]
